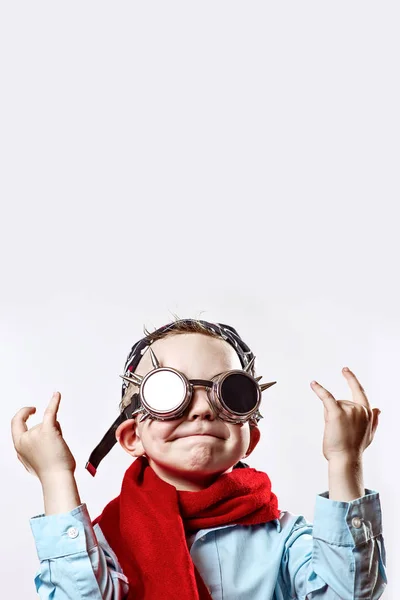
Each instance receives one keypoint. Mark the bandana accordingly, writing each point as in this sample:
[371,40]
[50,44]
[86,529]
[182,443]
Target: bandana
[147,524]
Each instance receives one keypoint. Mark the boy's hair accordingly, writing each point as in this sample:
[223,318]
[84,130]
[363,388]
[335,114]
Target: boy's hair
[181,326]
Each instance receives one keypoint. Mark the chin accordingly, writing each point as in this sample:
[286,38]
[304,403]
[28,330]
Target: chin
[203,461]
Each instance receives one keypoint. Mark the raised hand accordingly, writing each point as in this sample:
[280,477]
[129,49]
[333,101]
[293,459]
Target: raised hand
[349,425]
[42,449]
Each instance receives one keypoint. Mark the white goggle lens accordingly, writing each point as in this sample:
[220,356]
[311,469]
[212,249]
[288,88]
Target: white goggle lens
[164,391]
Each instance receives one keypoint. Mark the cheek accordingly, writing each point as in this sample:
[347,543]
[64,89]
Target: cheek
[156,433]
[241,436]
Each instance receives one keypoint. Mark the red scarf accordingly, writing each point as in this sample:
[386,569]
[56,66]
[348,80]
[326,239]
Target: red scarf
[146,526]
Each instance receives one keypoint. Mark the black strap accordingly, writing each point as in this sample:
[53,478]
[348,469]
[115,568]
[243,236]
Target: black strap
[109,440]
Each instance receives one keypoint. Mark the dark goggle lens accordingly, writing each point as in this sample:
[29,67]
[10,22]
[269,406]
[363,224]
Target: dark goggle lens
[239,393]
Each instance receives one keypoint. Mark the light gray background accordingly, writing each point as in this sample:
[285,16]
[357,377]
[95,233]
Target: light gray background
[230,161]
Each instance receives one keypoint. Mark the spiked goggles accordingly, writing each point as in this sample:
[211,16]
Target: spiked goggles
[165,393]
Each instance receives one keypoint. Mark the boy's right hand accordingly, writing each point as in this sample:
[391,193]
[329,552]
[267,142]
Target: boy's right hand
[42,449]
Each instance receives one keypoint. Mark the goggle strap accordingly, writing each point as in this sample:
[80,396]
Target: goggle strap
[109,440]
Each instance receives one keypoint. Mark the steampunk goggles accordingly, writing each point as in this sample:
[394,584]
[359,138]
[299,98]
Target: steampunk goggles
[165,393]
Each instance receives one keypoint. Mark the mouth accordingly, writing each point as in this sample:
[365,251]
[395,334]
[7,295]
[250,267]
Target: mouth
[206,435]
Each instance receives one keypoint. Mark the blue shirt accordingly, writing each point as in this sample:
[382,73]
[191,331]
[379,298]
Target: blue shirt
[340,557]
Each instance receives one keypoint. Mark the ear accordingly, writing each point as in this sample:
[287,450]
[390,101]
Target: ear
[127,435]
[254,439]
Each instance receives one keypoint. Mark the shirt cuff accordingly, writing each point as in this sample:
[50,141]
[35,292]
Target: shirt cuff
[347,523]
[63,534]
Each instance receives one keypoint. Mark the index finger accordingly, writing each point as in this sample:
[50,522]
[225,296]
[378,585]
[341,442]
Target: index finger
[18,422]
[327,398]
[357,390]
[50,414]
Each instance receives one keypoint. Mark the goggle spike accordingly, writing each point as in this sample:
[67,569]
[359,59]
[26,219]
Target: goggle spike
[250,364]
[136,379]
[143,417]
[154,360]
[265,386]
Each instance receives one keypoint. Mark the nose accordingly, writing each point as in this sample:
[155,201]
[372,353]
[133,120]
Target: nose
[200,407]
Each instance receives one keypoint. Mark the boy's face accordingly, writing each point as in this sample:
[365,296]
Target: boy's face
[174,451]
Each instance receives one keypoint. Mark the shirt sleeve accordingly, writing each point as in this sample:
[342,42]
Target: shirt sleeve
[342,556]
[74,563]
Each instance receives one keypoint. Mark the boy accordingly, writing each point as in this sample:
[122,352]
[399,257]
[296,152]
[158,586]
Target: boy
[193,521]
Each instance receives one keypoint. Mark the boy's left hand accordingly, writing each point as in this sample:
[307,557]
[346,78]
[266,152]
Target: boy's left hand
[349,425]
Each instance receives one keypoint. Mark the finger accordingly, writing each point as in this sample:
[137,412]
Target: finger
[18,422]
[358,392]
[50,414]
[327,398]
[375,419]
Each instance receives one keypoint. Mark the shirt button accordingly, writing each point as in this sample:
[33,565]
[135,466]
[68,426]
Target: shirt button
[356,522]
[73,532]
